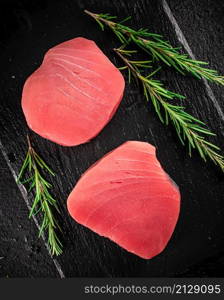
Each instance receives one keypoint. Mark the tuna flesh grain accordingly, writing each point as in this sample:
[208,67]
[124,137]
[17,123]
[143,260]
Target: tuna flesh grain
[127,197]
[73,94]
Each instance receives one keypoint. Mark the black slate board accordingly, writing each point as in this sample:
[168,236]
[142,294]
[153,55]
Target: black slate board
[29,29]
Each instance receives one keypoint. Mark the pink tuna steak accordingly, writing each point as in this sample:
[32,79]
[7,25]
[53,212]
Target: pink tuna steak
[73,94]
[127,197]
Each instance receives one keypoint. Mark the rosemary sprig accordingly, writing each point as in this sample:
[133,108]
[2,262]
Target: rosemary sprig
[158,48]
[187,127]
[43,201]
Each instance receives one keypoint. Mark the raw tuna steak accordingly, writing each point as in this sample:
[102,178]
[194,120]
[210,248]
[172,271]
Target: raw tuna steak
[127,197]
[73,94]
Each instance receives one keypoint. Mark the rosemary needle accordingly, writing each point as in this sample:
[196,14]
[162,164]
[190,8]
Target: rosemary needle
[43,201]
[159,49]
[187,127]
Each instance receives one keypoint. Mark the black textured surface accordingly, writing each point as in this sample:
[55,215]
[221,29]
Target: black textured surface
[29,29]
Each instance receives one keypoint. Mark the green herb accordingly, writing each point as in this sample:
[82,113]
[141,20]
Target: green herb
[159,49]
[43,201]
[187,127]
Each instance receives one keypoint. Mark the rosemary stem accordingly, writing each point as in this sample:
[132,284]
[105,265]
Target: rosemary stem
[179,118]
[43,202]
[158,48]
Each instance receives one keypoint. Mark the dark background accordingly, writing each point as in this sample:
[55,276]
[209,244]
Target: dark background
[27,30]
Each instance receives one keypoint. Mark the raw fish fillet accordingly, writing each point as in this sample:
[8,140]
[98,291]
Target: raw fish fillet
[127,197]
[73,94]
